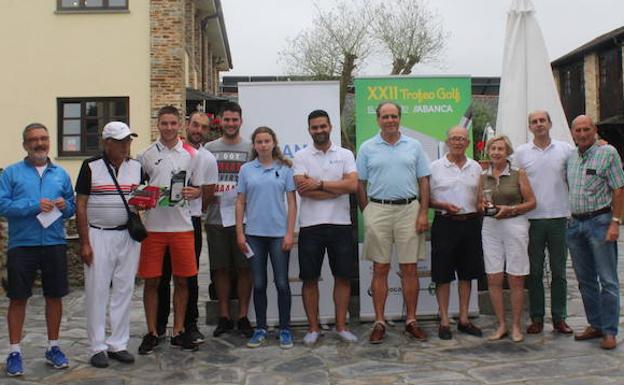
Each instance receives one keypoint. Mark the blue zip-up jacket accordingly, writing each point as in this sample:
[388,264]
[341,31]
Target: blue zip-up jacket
[21,189]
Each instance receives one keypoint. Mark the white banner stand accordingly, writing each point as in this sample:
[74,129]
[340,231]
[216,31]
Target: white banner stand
[284,106]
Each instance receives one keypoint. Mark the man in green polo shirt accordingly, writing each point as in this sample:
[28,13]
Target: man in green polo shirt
[596,182]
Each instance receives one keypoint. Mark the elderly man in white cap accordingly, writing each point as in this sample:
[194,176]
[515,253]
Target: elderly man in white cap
[110,256]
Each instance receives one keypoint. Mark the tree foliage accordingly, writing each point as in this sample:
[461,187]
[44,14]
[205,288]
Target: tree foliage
[344,36]
[341,38]
[410,32]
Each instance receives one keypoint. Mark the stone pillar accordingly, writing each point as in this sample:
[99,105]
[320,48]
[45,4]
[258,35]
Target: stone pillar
[197,41]
[209,86]
[189,42]
[167,57]
[214,74]
[592,97]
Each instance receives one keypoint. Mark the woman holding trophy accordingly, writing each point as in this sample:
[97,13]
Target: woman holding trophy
[506,195]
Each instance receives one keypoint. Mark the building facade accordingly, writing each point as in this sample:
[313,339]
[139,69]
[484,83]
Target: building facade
[590,82]
[74,65]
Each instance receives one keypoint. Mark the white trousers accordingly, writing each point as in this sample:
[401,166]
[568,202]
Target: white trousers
[109,283]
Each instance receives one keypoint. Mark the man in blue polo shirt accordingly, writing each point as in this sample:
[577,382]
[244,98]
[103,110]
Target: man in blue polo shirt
[36,196]
[393,194]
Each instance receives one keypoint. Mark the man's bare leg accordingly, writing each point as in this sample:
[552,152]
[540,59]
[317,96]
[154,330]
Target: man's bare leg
[244,291]
[222,287]
[54,313]
[150,303]
[410,286]
[15,319]
[342,294]
[180,299]
[310,295]
[442,294]
[379,286]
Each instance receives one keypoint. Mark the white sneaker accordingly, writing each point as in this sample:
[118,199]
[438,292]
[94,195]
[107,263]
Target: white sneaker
[347,336]
[310,338]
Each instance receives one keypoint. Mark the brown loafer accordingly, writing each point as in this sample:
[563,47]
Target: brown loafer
[415,331]
[444,333]
[535,327]
[588,334]
[377,335]
[608,342]
[469,328]
[562,327]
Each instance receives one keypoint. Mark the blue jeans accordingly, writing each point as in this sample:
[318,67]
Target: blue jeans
[595,264]
[263,247]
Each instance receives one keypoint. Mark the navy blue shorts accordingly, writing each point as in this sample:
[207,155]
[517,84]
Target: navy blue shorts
[337,240]
[22,266]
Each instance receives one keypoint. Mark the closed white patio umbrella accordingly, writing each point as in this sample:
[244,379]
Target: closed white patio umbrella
[527,82]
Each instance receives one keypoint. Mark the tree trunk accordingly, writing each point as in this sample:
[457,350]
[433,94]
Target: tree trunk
[345,78]
[397,66]
[409,64]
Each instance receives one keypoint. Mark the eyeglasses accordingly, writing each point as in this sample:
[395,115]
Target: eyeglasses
[458,139]
[38,139]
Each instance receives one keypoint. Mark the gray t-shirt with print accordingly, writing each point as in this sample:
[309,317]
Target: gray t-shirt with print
[230,158]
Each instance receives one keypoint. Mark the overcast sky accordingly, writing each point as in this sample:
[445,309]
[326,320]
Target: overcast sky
[258,29]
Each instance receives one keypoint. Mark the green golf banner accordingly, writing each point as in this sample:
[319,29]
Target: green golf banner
[430,105]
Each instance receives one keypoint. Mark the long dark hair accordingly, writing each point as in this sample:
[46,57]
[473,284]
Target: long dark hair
[277,153]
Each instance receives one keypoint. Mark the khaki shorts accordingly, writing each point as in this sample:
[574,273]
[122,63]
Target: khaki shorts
[392,224]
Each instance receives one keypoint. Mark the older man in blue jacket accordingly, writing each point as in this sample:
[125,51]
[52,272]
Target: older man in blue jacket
[36,196]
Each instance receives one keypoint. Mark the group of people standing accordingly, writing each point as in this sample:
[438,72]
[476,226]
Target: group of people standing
[547,195]
[245,190]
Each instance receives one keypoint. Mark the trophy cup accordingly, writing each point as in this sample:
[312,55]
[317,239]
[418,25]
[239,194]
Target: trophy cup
[490,209]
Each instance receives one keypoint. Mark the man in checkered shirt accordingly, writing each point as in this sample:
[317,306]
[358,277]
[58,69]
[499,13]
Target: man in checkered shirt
[596,182]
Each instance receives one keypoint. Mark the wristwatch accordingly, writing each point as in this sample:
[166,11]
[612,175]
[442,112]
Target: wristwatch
[616,220]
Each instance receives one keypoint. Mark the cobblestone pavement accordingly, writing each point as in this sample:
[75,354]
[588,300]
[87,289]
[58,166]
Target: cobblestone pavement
[543,359]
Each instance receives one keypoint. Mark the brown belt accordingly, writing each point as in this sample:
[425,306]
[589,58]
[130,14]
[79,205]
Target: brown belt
[459,217]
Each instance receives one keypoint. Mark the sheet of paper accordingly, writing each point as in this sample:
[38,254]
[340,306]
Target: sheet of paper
[46,219]
[249,252]
[228,208]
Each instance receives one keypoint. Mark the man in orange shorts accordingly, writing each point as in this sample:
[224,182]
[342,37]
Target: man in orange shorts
[168,163]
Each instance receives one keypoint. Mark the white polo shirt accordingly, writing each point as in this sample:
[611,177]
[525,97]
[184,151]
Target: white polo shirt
[546,170]
[207,173]
[458,186]
[326,166]
[160,163]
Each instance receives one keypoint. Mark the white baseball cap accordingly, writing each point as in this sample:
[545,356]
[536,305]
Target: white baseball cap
[117,131]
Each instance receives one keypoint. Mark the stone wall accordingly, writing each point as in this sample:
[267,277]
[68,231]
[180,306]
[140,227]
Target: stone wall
[167,34]
[592,102]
